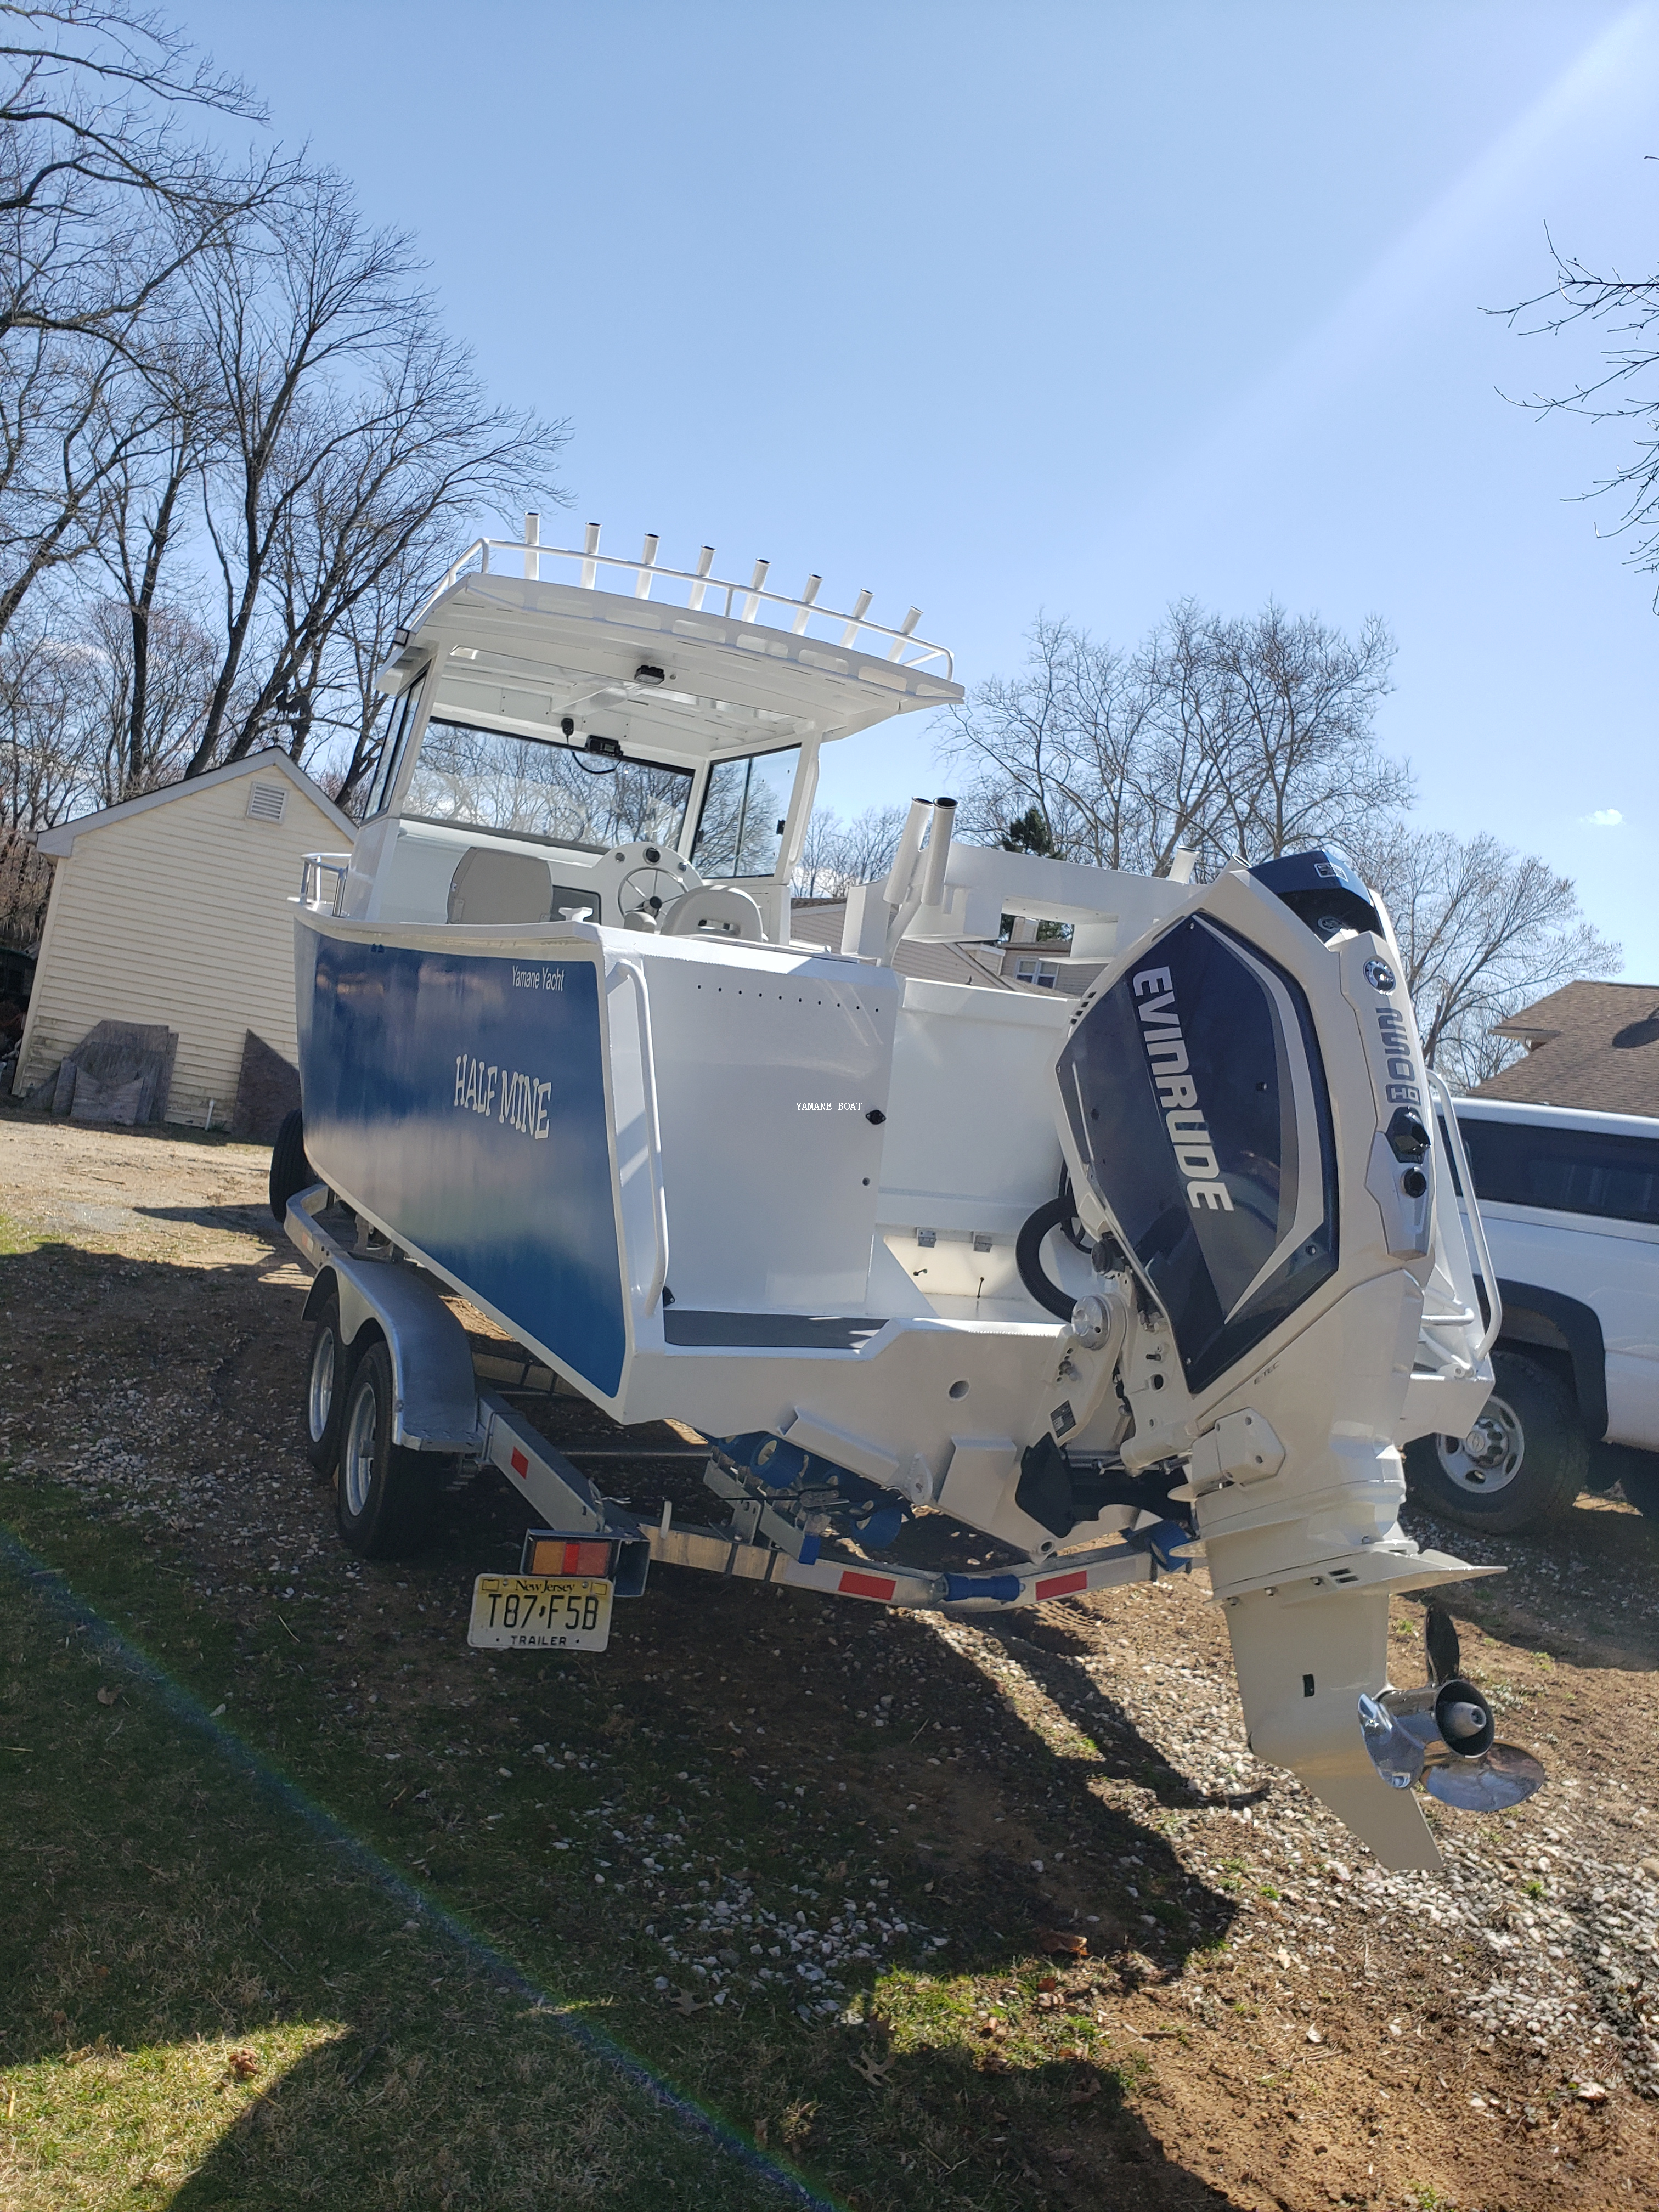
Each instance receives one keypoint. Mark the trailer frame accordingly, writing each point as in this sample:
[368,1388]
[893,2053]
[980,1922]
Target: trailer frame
[440,1409]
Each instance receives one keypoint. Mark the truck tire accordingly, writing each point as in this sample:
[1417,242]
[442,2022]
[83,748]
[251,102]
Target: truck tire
[385,1494]
[1522,1464]
[290,1171]
[328,1378]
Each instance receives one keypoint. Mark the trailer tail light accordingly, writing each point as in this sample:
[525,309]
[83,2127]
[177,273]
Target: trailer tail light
[622,1559]
[559,1555]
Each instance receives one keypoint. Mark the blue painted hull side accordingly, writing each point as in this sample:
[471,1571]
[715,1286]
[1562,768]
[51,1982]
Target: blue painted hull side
[462,1104]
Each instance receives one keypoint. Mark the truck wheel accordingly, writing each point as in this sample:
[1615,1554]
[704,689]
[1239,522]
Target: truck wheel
[384,1494]
[328,1377]
[1522,1463]
[1639,1481]
[290,1171]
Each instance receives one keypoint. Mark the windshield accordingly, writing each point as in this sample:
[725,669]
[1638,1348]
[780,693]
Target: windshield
[741,830]
[526,787]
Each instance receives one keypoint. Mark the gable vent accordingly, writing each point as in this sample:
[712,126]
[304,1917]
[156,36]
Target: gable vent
[265,802]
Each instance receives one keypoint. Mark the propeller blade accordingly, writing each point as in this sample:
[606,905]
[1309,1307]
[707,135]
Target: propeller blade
[1500,1778]
[1396,1753]
[1445,1652]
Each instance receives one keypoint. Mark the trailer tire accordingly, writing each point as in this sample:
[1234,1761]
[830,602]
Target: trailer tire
[384,1494]
[290,1171]
[1534,1460]
[328,1378]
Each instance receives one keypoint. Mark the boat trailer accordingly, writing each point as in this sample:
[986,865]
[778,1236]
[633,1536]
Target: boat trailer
[439,1409]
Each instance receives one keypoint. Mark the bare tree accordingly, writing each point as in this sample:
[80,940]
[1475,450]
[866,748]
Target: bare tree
[103,198]
[1626,309]
[48,767]
[1484,930]
[837,855]
[103,201]
[143,544]
[351,429]
[1234,738]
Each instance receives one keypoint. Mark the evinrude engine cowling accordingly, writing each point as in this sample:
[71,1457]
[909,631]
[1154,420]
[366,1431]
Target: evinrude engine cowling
[1244,1107]
[1196,1094]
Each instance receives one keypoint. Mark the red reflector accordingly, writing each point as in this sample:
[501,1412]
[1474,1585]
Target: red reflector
[519,1463]
[558,1558]
[1060,1586]
[853,1585]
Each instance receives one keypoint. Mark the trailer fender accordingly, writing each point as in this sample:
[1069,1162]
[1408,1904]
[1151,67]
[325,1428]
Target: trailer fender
[433,1381]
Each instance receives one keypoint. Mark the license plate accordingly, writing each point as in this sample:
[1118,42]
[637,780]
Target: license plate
[540,1613]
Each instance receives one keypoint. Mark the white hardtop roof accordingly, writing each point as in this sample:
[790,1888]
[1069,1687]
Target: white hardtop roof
[59,841]
[709,668]
[1555,1117]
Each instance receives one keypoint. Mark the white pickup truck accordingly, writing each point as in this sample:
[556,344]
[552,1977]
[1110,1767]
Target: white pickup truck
[1571,1204]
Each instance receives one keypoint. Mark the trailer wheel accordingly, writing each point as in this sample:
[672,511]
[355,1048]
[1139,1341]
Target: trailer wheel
[1522,1464]
[384,1495]
[290,1171]
[328,1378]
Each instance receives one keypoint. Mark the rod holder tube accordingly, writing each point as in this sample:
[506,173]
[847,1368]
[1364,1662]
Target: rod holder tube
[939,851]
[897,886]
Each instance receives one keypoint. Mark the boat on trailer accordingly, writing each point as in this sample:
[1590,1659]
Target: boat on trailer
[1162,1274]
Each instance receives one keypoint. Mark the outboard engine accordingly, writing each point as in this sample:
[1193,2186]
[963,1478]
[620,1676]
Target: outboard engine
[1244,1112]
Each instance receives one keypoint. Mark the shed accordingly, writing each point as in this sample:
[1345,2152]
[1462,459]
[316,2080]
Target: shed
[171,911]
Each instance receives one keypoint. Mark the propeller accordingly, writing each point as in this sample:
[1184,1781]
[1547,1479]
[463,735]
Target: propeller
[1440,1636]
[1441,1735]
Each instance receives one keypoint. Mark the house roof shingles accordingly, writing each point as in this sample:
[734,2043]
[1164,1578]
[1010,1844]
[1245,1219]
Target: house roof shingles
[1594,1046]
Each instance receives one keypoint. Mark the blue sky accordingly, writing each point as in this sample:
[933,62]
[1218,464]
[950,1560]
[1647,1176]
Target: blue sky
[1081,309]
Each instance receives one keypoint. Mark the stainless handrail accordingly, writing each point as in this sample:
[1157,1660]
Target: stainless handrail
[313,868]
[742,599]
[1439,1091]
[654,1134]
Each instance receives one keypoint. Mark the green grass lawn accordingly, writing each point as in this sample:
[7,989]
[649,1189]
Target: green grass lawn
[215,1999]
[226,1995]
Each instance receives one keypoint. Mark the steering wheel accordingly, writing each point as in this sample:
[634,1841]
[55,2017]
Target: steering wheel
[655,877]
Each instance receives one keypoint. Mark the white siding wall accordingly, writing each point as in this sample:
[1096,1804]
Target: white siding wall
[179,915]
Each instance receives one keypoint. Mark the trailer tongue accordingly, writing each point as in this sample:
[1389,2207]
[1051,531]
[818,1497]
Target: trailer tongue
[1160,1274]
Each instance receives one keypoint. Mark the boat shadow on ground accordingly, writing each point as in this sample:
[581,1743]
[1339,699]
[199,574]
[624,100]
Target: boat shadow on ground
[201,1920]
[973,2127]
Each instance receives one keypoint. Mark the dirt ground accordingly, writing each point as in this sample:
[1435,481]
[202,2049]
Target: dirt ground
[1304,2028]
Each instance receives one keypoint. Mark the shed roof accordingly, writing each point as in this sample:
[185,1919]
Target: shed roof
[1590,1045]
[59,841]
